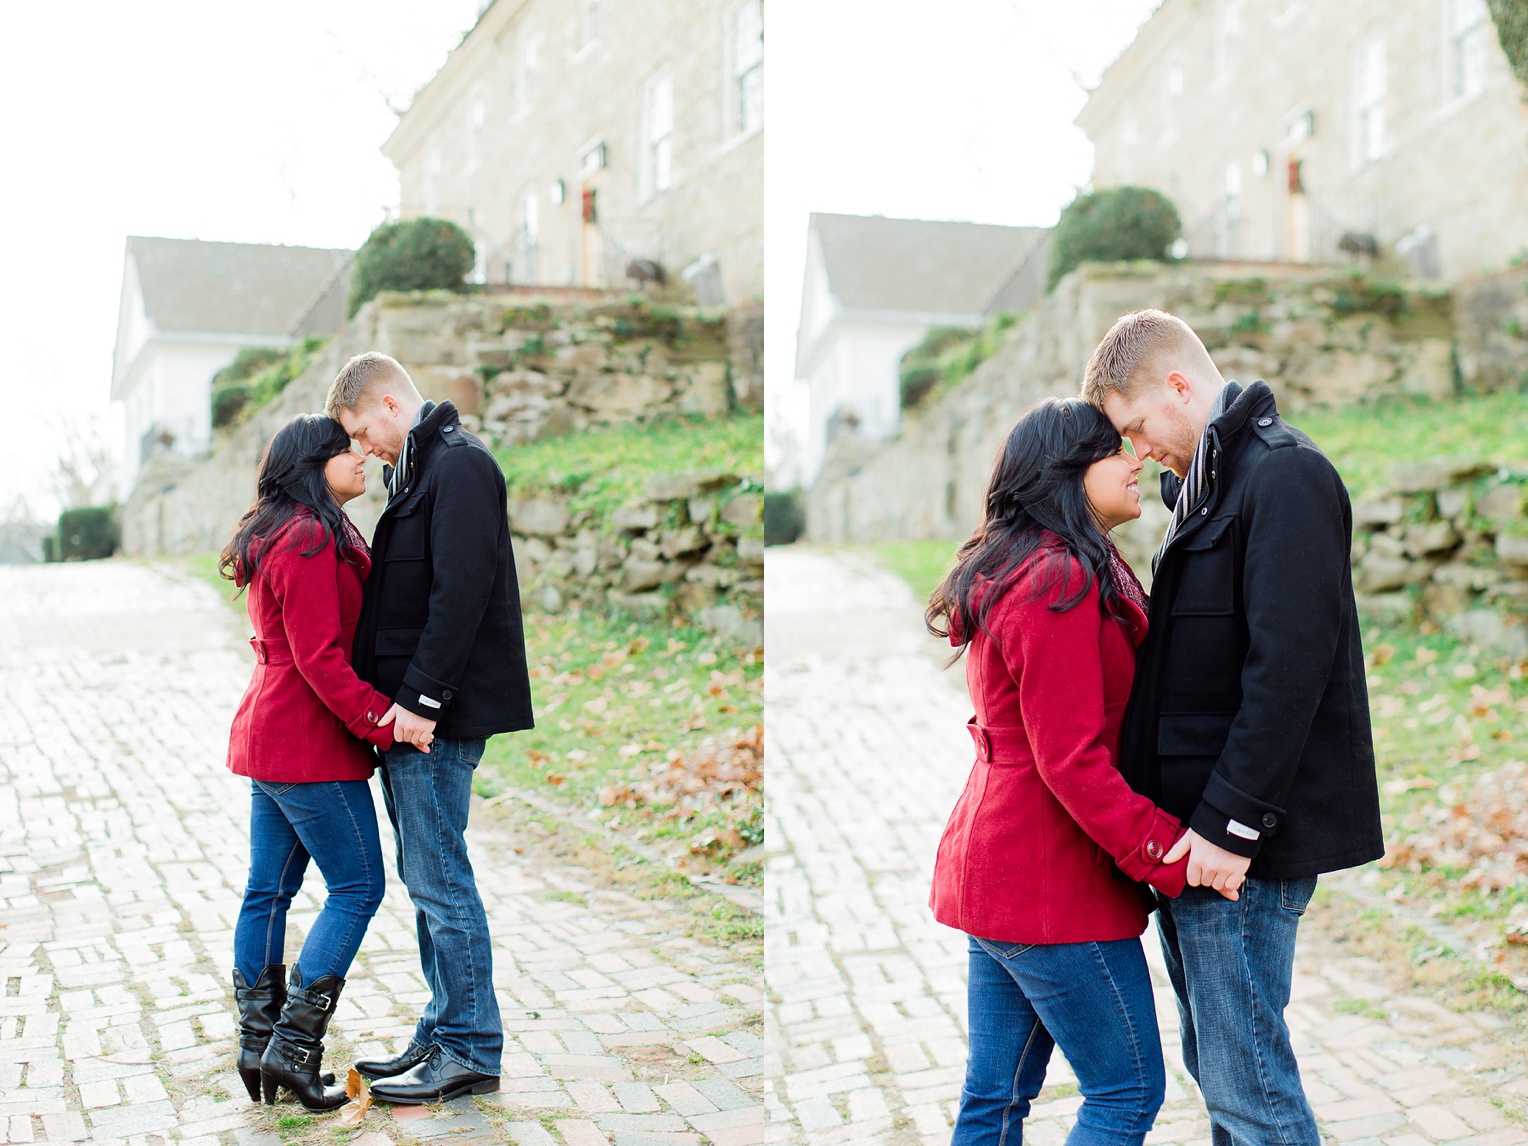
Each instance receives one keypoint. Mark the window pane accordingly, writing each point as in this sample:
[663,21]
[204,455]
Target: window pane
[748,33]
[751,100]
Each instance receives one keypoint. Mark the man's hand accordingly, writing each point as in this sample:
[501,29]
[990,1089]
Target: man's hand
[1210,865]
[410,728]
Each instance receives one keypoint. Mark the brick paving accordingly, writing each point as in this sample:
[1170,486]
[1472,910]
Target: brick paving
[123,850]
[866,1009]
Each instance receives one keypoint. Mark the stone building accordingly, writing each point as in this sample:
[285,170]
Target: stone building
[187,308]
[575,138]
[1300,131]
[874,287]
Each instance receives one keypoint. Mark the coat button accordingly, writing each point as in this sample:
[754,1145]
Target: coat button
[1153,849]
[1269,819]
[448,429]
[371,716]
[1265,421]
[445,694]
[1204,511]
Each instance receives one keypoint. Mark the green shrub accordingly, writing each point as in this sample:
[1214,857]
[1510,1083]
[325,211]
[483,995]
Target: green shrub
[1511,18]
[784,521]
[89,533]
[946,357]
[416,254]
[265,374]
[1111,225]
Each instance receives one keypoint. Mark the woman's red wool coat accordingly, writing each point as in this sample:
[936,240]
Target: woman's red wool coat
[305,708]
[1030,851]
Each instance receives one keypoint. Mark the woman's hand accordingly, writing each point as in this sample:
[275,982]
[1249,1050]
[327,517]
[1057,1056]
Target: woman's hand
[1209,865]
[410,728]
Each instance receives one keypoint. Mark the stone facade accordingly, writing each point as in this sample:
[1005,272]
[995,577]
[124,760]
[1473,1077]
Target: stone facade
[1456,530]
[1279,126]
[694,540]
[518,366]
[1315,335]
[570,137]
[1491,329]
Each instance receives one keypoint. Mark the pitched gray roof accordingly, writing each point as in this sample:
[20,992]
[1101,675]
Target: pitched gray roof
[230,288]
[875,263]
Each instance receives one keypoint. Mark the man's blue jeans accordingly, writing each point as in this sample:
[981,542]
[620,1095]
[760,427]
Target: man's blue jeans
[1231,965]
[427,796]
[335,823]
[1094,1001]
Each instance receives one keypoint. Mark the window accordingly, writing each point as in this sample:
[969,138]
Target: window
[529,64]
[1468,26]
[1227,36]
[588,23]
[745,50]
[1172,91]
[658,133]
[530,238]
[431,182]
[1371,100]
[477,115]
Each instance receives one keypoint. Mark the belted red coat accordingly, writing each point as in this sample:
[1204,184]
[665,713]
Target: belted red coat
[1030,852]
[306,716]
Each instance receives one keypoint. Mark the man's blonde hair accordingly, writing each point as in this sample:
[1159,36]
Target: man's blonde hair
[360,379]
[1141,347]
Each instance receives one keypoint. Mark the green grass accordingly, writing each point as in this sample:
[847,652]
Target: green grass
[615,701]
[922,564]
[1364,442]
[602,470]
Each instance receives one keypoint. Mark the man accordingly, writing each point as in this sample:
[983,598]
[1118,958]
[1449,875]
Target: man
[440,632]
[1249,718]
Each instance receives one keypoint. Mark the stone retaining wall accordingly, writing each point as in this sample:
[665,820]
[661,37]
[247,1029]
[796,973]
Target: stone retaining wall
[518,367]
[1454,529]
[1317,335]
[695,540]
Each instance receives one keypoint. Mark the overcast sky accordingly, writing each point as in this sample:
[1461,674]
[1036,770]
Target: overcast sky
[190,119]
[961,110]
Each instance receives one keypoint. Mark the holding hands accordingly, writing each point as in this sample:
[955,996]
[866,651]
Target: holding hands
[1209,865]
[410,728]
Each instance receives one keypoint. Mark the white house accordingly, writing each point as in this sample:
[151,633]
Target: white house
[187,308]
[874,287]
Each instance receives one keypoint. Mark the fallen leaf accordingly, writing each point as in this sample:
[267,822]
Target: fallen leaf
[359,1094]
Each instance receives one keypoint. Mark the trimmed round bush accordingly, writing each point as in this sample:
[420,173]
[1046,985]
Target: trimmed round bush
[88,533]
[416,254]
[1111,225]
[228,403]
[784,520]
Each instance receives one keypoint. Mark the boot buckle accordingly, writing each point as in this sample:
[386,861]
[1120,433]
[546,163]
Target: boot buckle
[322,1002]
[299,1055]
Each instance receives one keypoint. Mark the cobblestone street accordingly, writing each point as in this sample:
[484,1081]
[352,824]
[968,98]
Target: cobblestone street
[123,850]
[866,996]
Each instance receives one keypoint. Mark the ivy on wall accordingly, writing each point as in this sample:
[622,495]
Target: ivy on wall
[1511,17]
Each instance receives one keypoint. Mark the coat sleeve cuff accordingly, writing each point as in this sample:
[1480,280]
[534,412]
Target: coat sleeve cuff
[1230,818]
[365,727]
[425,696]
[1144,863]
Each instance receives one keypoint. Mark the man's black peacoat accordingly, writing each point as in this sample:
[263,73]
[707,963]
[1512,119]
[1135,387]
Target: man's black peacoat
[1249,716]
[440,628]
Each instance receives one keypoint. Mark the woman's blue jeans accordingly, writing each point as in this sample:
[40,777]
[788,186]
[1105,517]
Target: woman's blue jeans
[1093,1000]
[334,823]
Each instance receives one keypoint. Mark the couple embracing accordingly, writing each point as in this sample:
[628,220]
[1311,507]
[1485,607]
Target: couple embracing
[1205,753]
[402,659]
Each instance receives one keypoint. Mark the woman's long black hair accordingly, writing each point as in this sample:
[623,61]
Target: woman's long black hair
[291,476]
[1036,488]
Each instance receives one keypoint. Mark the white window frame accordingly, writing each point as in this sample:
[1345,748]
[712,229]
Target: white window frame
[658,134]
[1172,93]
[1467,27]
[476,118]
[743,90]
[589,13]
[528,61]
[1370,85]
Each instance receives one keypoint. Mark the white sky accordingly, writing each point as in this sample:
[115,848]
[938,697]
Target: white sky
[961,110]
[189,119]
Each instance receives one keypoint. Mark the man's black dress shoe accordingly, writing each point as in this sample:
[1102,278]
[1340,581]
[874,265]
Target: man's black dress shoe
[411,1057]
[436,1079]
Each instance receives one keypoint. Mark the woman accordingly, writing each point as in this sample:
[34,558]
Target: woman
[301,736]
[1030,861]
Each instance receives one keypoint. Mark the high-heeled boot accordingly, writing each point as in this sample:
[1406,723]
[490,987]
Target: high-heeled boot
[259,1005]
[296,1048]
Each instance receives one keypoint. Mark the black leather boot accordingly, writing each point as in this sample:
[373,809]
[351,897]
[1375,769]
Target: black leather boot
[296,1048]
[259,1005]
